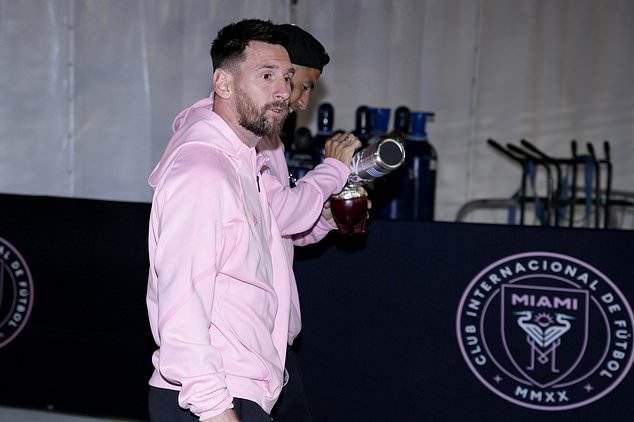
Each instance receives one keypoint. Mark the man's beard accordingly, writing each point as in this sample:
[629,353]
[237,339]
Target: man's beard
[255,120]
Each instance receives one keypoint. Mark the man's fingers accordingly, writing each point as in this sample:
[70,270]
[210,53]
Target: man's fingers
[342,147]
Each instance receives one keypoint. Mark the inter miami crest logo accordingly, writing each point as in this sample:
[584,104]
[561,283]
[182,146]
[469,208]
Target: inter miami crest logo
[16,292]
[545,331]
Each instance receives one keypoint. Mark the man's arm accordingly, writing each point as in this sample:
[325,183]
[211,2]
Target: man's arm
[319,230]
[189,243]
[297,209]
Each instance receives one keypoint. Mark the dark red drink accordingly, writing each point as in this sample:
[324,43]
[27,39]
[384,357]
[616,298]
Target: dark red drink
[350,209]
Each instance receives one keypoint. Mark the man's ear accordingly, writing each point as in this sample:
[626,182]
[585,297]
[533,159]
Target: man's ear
[223,83]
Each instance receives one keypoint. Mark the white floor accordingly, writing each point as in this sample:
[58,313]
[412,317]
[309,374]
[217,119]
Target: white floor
[9,414]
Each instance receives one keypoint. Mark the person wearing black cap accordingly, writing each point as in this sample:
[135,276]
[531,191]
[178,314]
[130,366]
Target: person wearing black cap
[303,212]
[220,282]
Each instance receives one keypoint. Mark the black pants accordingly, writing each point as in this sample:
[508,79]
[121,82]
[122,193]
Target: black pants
[164,407]
[292,405]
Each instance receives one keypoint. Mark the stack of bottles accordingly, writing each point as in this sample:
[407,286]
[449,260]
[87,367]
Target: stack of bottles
[407,193]
[410,192]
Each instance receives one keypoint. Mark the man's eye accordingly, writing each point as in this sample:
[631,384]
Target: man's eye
[288,79]
[267,76]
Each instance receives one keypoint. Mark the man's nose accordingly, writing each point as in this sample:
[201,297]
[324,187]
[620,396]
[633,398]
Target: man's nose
[282,90]
[302,102]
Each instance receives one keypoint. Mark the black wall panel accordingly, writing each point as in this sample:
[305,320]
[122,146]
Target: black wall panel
[379,339]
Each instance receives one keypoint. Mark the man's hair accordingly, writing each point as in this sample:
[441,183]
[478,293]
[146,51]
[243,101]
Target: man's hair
[303,48]
[232,40]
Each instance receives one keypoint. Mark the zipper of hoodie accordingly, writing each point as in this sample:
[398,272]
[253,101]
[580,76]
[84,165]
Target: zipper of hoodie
[264,203]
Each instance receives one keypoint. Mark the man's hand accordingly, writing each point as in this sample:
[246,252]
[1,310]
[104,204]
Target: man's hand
[326,213]
[226,416]
[342,147]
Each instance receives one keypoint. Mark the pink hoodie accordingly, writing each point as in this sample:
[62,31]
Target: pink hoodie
[298,210]
[220,283]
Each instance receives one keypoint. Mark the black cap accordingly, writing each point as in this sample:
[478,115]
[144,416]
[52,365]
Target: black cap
[303,48]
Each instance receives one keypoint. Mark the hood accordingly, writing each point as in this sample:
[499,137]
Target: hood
[198,124]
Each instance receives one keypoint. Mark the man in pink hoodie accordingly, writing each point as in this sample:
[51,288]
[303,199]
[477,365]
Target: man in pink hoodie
[303,211]
[220,283]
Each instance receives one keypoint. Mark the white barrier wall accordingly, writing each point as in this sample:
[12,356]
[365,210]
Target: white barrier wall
[89,88]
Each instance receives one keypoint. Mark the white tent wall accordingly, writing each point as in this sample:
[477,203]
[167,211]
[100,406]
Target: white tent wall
[89,87]
[421,54]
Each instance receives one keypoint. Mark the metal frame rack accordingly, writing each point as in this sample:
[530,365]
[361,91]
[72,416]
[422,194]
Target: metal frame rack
[554,189]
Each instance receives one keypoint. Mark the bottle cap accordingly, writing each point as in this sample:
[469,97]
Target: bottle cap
[419,121]
[380,119]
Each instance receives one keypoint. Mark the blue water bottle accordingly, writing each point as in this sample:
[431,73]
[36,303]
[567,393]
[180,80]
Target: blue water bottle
[422,162]
[379,120]
[402,119]
[363,124]
[392,194]
[325,122]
